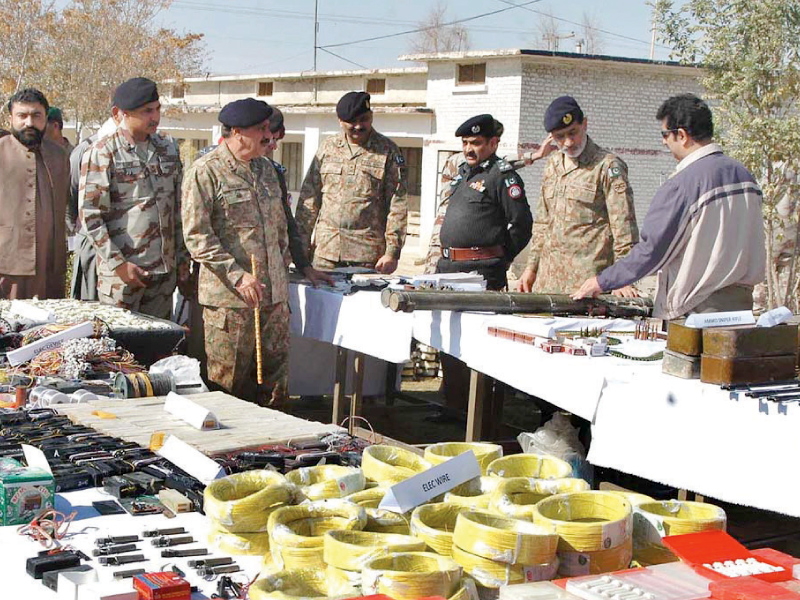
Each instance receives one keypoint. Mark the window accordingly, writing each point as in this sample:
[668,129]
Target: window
[292,159]
[413,168]
[264,88]
[376,86]
[471,74]
[178,92]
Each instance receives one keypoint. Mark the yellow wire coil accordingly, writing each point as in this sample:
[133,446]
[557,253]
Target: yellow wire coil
[350,550]
[368,498]
[493,574]
[516,496]
[294,557]
[505,540]
[633,497]
[327,481]
[484,453]
[411,575]
[386,521]
[243,502]
[573,564]
[305,584]
[391,464]
[251,544]
[303,526]
[586,521]
[654,520]
[475,493]
[435,523]
[534,466]
[343,577]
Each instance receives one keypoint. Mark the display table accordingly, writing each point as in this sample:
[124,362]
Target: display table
[88,526]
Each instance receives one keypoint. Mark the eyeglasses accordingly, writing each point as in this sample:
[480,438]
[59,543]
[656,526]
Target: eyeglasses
[665,132]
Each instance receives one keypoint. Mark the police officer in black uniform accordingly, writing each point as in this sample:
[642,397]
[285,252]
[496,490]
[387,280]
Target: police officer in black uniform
[488,220]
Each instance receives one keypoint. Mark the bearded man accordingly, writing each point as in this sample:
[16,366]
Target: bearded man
[34,187]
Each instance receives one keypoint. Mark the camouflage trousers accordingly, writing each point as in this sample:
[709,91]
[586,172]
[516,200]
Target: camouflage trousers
[230,345]
[154,300]
[323,264]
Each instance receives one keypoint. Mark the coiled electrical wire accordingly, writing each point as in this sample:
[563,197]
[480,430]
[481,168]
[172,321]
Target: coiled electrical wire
[493,574]
[296,557]
[304,525]
[475,493]
[435,523]
[386,521]
[654,520]
[351,550]
[327,481]
[517,496]
[391,464]
[533,466]
[251,544]
[305,584]
[368,498]
[243,502]
[505,540]
[411,575]
[436,454]
[573,564]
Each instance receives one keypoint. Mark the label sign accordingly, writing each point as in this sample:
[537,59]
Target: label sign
[720,319]
[425,486]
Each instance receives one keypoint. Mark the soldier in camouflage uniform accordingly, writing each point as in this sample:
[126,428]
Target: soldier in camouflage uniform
[129,200]
[585,217]
[232,210]
[355,194]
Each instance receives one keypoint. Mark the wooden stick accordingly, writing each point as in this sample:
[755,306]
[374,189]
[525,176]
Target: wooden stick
[257,311]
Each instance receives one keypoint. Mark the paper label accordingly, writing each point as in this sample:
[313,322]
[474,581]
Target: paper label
[350,484]
[51,342]
[543,572]
[189,411]
[191,460]
[648,527]
[574,563]
[720,319]
[425,486]
[614,534]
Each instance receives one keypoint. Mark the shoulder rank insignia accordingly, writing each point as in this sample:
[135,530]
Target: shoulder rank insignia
[614,171]
[478,185]
[456,180]
[485,164]
[503,165]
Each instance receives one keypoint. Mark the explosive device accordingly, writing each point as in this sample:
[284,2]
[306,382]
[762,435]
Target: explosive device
[516,302]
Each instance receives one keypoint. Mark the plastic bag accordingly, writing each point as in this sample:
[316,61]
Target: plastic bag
[185,371]
[558,437]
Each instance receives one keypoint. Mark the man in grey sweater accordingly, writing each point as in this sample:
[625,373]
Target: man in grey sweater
[704,232]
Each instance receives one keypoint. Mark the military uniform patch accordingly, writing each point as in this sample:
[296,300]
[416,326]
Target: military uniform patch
[398,158]
[614,171]
[515,191]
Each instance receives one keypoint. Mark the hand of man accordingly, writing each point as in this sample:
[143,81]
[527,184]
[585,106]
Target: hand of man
[589,289]
[526,280]
[386,265]
[317,277]
[626,292]
[185,281]
[132,275]
[545,149]
[250,289]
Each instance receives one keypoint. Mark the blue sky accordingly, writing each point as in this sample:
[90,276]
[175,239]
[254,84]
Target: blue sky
[270,36]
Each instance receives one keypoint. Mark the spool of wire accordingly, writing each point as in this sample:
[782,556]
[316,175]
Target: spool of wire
[654,520]
[386,521]
[293,557]
[475,493]
[435,523]
[327,481]
[368,498]
[343,577]
[143,385]
[411,575]
[517,496]
[304,525]
[634,498]
[505,540]
[493,574]
[243,502]
[391,464]
[250,544]
[533,466]
[573,564]
[484,453]
[586,521]
[351,550]
[305,584]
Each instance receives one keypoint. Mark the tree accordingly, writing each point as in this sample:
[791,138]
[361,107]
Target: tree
[77,56]
[549,33]
[592,38]
[437,35]
[749,51]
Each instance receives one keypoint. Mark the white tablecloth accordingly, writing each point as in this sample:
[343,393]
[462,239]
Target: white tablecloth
[356,322]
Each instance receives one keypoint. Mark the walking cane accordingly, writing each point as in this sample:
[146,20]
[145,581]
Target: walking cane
[259,376]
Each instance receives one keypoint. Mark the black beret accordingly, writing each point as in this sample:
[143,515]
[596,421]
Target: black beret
[481,125]
[276,121]
[352,105]
[134,93]
[245,113]
[561,113]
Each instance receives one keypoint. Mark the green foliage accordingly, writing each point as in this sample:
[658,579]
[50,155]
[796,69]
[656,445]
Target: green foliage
[749,54]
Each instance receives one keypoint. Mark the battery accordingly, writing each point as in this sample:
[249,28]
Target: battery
[162,586]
